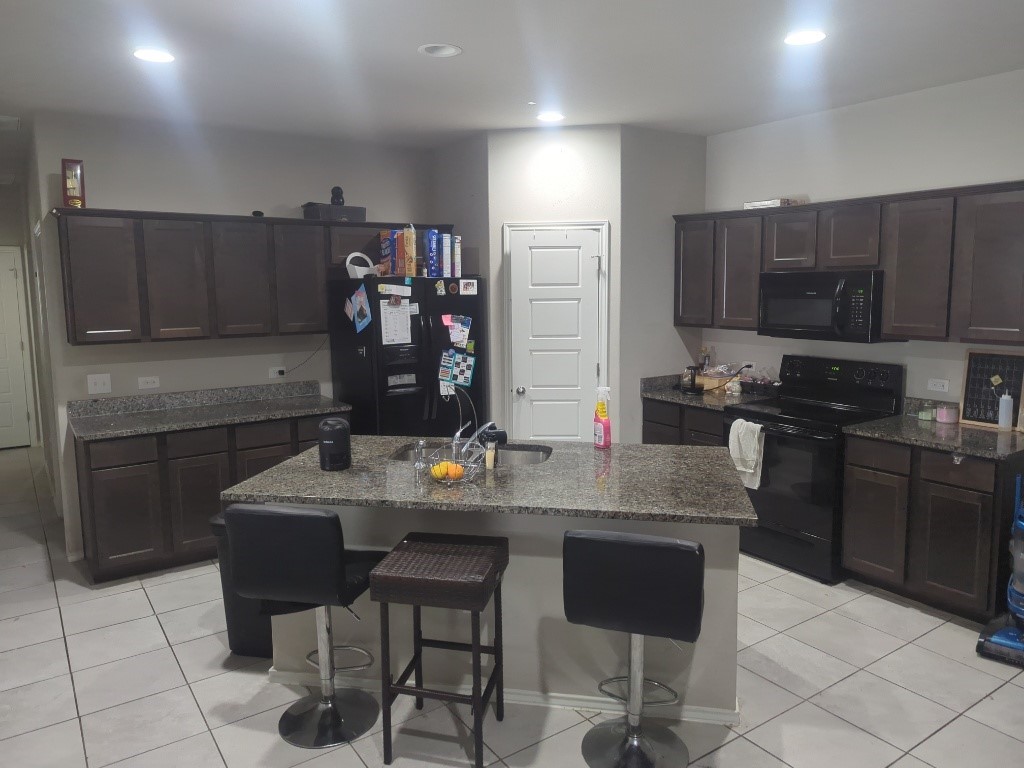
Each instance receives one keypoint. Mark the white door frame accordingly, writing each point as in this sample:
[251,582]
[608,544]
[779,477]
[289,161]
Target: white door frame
[603,228]
[27,352]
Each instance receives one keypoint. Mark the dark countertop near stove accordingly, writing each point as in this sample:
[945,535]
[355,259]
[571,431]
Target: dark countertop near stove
[950,438]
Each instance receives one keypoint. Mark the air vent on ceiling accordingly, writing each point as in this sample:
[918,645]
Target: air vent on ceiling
[8,123]
[6,179]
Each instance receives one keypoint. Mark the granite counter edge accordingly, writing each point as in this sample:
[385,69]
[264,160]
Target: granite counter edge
[867,432]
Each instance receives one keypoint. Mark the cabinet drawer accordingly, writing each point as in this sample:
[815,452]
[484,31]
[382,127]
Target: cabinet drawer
[709,422]
[120,453]
[197,442]
[878,455]
[662,413]
[305,445]
[264,433]
[309,427]
[660,434]
[976,474]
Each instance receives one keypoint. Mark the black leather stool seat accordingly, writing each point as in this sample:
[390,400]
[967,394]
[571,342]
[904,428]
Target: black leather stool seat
[628,582]
[295,555]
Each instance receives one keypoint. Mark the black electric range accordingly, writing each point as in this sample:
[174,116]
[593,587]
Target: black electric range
[799,501]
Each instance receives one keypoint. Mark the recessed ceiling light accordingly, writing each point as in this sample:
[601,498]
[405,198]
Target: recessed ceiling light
[804,37]
[155,55]
[550,117]
[531,103]
[440,50]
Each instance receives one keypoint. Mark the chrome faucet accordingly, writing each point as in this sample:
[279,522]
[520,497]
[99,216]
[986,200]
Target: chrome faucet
[474,439]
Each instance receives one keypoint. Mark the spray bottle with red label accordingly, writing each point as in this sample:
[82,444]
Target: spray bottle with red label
[602,423]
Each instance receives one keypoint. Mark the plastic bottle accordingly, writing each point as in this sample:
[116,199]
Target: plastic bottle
[602,423]
[1005,411]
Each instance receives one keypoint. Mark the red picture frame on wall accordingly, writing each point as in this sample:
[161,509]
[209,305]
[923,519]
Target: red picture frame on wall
[72,183]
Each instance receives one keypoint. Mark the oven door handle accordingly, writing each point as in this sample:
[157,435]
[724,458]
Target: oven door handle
[796,432]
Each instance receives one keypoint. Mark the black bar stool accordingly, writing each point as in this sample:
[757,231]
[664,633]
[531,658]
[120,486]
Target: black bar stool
[643,585]
[294,558]
[442,571]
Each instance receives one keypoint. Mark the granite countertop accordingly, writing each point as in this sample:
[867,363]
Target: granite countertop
[664,388]
[950,438]
[684,484]
[106,418]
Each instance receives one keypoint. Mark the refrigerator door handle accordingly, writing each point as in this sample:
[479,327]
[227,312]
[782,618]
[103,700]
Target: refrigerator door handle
[435,393]
[428,389]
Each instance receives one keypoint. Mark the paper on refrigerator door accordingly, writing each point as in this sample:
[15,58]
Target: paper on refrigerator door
[395,323]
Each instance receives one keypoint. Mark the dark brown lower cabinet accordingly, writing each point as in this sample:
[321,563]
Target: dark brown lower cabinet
[674,424]
[196,483]
[950,545]
[660,434]
[127,515]
[257,460]
[875,523]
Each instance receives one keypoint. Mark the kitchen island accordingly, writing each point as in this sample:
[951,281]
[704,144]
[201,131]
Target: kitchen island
[682,492]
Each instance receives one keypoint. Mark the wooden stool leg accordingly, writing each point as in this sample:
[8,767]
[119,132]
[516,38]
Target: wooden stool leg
[385,680]
[499,658]
[478,708]
[417,649]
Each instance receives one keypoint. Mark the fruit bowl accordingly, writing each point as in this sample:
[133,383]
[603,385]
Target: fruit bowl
[447,471]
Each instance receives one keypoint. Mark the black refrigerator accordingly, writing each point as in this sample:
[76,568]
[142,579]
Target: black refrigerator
[393,340]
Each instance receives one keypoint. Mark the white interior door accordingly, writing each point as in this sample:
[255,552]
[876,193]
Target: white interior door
[13,400]
[556,331]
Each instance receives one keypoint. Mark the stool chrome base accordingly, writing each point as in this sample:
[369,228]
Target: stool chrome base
[612,744]
[315,721]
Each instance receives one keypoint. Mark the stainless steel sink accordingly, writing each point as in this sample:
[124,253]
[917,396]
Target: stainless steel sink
[511,455]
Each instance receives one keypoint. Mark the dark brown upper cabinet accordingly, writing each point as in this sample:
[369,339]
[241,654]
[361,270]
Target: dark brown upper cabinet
[301,261]
[737,270]
[242,270]
[179,300]
[848,236]
[789,240]
[917,238]
[694,272]
[346,240]
[988,268]
[101,282]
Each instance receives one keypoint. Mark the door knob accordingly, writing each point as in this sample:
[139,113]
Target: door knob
[520,390]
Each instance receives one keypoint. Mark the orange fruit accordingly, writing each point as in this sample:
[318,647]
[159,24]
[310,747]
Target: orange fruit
[439,471]
[455,471]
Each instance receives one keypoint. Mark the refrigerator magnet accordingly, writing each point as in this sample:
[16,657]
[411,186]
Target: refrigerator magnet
[462,369]
[447,365]
[361,308]
[439,287]
[468,287]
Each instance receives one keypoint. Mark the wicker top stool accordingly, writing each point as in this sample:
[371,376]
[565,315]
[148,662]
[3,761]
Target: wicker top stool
[428,570]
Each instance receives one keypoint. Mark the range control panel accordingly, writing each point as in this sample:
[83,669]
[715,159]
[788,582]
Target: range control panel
[830,373]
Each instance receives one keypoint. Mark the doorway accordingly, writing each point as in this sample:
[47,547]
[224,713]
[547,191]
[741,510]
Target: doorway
[557,287]
[14,407]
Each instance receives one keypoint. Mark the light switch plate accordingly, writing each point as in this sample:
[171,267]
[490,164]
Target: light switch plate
[938,385]
[98,383]
[149,382]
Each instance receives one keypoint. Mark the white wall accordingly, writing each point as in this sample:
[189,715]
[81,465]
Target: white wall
[150,166]
[551,175]
[662,174]
[959,134]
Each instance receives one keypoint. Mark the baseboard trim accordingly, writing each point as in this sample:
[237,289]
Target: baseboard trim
[596,703]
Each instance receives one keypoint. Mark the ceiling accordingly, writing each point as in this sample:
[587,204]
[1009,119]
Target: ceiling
[350,67]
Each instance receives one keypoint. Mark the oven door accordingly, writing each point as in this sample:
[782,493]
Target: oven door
[800,482]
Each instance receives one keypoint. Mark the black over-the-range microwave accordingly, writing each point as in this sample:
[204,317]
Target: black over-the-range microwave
[837,306]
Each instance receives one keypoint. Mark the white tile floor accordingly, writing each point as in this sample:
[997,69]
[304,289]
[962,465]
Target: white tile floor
[137,674]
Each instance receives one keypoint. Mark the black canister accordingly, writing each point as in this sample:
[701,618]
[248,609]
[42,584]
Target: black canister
[335,444]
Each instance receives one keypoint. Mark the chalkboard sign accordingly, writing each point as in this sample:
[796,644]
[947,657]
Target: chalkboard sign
[979,402]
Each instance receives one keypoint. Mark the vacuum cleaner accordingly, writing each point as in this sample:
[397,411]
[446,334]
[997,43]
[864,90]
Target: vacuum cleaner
[1003,638]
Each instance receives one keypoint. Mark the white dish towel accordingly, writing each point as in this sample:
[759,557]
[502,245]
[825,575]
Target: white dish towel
[746,445]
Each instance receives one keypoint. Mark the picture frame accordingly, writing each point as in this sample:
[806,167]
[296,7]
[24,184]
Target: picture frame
[978,402]
[72,182]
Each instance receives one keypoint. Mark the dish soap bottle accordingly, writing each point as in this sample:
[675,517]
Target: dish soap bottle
[602,424]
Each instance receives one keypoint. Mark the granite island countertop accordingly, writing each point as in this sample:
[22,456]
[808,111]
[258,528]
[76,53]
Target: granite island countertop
[107,418]
[949,438]
[684,484]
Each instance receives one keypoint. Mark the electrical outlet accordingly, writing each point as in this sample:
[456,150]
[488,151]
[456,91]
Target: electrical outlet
[149,382]
[752,364]
[98,383]
[277,372]
[938,385]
